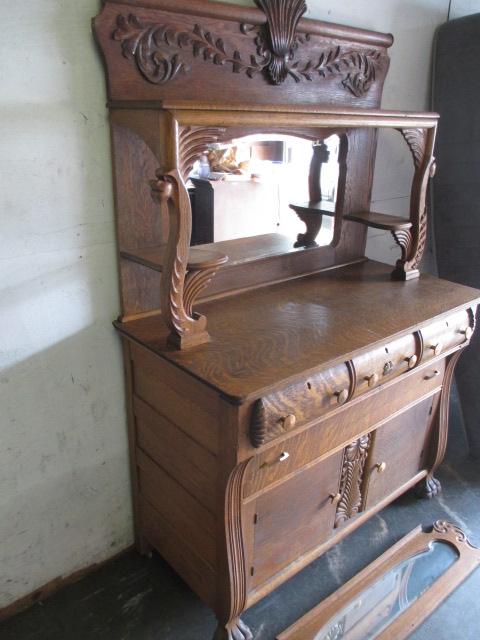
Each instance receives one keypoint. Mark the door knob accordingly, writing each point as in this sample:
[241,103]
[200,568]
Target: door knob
[381,467]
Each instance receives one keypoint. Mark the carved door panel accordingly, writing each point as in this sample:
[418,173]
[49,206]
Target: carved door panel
[399,451]
[295,517]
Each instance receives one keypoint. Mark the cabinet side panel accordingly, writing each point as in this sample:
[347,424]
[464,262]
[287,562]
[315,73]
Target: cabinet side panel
[175,397]
[197,573]
[187,462]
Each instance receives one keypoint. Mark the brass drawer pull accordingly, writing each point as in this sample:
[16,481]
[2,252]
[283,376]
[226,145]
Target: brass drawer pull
[411,361]
[437,348]
[435,374]
[342,396]
[372,380]
[381,467]
[468,333]
[281,458]
[335,499]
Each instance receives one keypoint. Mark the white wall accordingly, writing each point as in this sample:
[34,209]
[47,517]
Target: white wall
[64,488]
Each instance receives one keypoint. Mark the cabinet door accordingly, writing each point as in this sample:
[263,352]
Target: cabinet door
[400,450]
[295,517]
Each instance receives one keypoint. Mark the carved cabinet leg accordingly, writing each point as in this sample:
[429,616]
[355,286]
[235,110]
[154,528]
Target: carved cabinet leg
[235,630]
[428,488]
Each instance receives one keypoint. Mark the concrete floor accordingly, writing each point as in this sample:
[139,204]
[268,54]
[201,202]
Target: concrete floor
[135,598]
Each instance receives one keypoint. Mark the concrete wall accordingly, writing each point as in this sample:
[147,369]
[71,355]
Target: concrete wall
[64,486]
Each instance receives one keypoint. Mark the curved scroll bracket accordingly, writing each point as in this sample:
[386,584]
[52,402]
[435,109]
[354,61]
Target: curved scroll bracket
[180,286]
[412,242]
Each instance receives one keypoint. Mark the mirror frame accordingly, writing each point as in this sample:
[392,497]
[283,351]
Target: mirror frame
[417,541]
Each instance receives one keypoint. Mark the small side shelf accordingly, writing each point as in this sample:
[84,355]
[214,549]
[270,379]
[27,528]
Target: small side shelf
[154,258]
[323,207]
[380,221]
[311,213]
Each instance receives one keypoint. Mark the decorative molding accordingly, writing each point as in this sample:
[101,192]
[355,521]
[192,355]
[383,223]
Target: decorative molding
[449,529]
[354,459]
[192,142]
[283,17]
[258,424]
[156,50]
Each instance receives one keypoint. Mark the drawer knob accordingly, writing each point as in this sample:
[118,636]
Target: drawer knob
[468,333]
[284,456]
[411,361]
[335,499]
[437,348]
[432,375]
[342,396]
[289,421]
[381,467]
[372,380]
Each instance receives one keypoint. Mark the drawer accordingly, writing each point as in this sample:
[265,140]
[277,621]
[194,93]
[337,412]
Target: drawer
[385,363]
[400,450]
[446,334]
[279,412]
[293,453]
[294,517]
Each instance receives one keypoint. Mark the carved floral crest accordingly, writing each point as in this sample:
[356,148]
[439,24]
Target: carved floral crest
[159,50]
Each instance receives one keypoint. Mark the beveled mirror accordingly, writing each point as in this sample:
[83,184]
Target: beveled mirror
[278,186]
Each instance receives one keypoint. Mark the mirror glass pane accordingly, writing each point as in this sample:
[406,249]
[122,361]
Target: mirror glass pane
[246,188]
[375,608]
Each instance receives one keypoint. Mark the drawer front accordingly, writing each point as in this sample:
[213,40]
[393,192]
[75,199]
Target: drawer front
[446,334]
[385,363]
[279,412]
[400,450]
[294,517]
[290,455]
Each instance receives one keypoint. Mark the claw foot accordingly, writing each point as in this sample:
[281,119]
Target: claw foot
[428,488]
[236,630]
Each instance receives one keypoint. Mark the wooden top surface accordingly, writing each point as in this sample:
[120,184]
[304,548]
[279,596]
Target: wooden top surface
[268,337]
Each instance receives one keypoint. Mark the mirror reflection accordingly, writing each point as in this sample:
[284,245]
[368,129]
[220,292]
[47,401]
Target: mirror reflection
[281,188]
[375,608]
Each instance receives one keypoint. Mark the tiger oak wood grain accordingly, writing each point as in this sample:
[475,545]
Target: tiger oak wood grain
[332,355]
[275,334]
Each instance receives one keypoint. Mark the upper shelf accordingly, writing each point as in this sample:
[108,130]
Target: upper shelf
[154,258]
[380,221]
[229,253]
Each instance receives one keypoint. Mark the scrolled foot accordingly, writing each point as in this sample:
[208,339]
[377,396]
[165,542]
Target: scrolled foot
[236,630]
[428,488]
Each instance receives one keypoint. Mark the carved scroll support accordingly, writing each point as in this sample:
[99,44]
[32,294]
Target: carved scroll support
[230,627]
[413,242]
[182,282]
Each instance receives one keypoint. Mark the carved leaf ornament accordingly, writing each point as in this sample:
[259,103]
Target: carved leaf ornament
[156,50]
